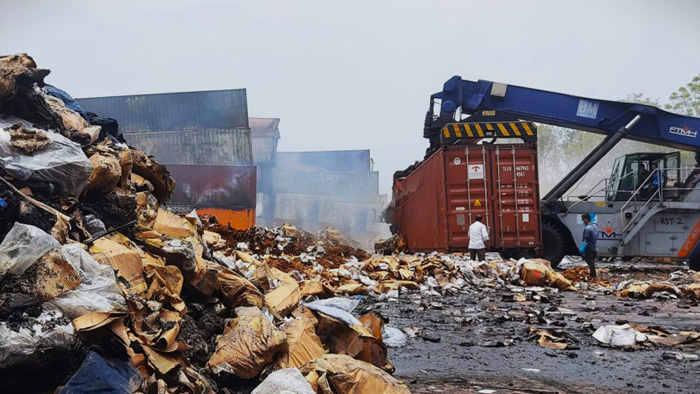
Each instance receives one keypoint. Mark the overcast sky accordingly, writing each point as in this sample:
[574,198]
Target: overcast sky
[356,74]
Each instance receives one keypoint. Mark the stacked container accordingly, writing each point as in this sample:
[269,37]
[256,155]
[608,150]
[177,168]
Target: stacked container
[435,204]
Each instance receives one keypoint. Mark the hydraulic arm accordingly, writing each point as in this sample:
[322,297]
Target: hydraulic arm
[616,120]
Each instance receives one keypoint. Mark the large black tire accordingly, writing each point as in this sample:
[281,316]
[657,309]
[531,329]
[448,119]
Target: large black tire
[694,264]
[553,243]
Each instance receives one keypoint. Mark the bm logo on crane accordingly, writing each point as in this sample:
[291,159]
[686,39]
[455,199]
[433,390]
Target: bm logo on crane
[684,131]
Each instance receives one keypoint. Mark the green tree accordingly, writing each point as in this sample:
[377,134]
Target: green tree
[686,100]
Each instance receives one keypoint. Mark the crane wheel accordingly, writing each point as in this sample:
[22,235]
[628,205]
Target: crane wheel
[553,243]
[694,264]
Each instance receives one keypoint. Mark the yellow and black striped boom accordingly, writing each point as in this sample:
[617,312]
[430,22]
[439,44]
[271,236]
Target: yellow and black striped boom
[452,132]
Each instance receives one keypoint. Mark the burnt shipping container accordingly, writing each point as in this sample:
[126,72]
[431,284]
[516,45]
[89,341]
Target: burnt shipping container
[328,183]
[434,205]
[212,109]
[317,161]
[231,147]
[264,133]
[227,192]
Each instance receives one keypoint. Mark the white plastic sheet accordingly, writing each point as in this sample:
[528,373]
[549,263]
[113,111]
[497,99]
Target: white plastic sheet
[393,337]
[337,308]
[619,336]
[22,247]
[98,290]
[62,162]
[284,381]
[34,336]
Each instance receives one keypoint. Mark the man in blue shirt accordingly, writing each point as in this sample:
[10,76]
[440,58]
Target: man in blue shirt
[588,247]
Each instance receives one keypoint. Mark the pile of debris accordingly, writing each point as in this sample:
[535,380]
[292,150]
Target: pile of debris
[679,284]
[95,270]
[102,289]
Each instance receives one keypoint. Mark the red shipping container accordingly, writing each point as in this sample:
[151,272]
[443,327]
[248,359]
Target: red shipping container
[434,204]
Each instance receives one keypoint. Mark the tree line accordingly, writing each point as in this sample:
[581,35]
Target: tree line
[561,149]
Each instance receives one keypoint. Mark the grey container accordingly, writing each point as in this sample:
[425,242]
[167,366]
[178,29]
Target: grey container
[214,109]
[206,147]
[341,160]
[329,183]
[265,134]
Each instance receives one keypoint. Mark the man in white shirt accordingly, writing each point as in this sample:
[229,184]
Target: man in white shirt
[478,235]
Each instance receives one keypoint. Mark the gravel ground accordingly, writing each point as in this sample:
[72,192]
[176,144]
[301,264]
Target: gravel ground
[481,341]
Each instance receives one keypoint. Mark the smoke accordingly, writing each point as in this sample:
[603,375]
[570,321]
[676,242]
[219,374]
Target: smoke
[314,190]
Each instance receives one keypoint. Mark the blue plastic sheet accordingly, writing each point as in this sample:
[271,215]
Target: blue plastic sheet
[67,100]
[105,376]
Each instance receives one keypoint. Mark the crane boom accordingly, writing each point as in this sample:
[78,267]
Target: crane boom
[615,119]
[598,116]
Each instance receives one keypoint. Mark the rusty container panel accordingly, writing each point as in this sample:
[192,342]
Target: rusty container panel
[467,192]
[434,205]
[516,207]
[216,147]
[240,219]
[228,187]
[418,206]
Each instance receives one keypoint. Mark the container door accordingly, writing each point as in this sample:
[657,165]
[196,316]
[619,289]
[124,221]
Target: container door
[465,186]
[515,196]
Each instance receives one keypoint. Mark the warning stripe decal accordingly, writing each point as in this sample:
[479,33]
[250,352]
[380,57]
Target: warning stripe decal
[524,130]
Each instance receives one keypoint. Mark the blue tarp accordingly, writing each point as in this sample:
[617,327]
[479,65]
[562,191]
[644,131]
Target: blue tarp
[67,100]
[105,376]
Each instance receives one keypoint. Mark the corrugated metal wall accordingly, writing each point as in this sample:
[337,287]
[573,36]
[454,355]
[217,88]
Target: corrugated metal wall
[264,150]
[330,183]
[342,160]
[216,109]
[321,211]
[202,137]
[208,147]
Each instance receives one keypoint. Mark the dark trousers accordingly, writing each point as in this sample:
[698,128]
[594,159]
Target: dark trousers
[477,254]
[589,256]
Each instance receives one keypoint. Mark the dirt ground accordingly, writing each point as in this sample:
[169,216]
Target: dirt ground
[480,342]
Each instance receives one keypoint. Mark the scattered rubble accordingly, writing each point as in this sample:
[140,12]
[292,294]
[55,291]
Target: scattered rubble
[96,270]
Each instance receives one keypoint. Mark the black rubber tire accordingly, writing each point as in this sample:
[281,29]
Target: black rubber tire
[553,243]
[694,264]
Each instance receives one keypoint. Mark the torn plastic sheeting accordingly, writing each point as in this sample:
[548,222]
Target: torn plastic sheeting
[341,374]
[393,337]
[62,162]
[284,381]
[22,247]
[336,307]
[98,290]
[619,336]
[248,344]
[49,277]
[103,375]
[49,330]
